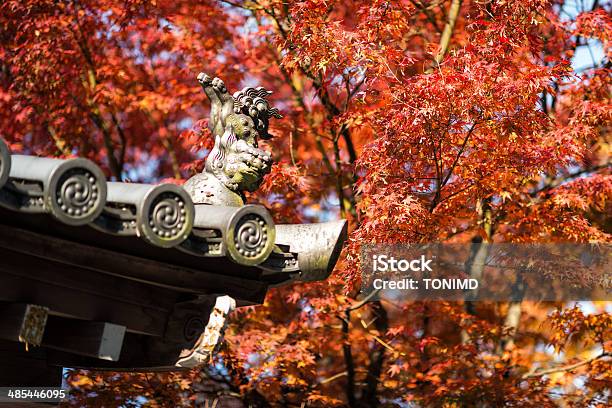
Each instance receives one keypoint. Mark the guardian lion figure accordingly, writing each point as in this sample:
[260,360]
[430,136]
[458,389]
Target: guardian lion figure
[235,164]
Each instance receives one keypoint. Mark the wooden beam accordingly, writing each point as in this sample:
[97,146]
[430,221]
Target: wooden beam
[73,292]
[100,340]
[139,353]
[161,274]
[145,353]
[23,322]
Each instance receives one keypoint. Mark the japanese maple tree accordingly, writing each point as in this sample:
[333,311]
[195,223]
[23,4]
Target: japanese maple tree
[418,121]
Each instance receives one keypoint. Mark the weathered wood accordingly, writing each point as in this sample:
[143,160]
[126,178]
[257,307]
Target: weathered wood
[167,275]
[94,339]
[185,325]
[85,279]
[155,300]
[139,353]
[23,322]
[134,246]
[66,290]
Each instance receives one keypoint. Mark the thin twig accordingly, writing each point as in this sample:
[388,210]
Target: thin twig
[567,368]
[291,149]
[363,301]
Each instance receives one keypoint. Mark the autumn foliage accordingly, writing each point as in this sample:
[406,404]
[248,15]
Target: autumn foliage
[418,121]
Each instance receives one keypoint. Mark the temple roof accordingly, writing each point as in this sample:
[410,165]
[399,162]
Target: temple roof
[137,255]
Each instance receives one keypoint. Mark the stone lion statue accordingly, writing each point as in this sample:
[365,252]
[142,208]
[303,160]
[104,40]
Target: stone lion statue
[235,164]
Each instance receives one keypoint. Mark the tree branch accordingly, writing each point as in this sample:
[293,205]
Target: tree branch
[176,169]
[450,171]
[453,13]
[567,368]
[116,166]
[427,11]
[113,164]
[348,360]
[60,143]
[346,348]
[339,189]
[122,138]
[300,101]
[364,301]
[377,356]
[560,180]
[332,111]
